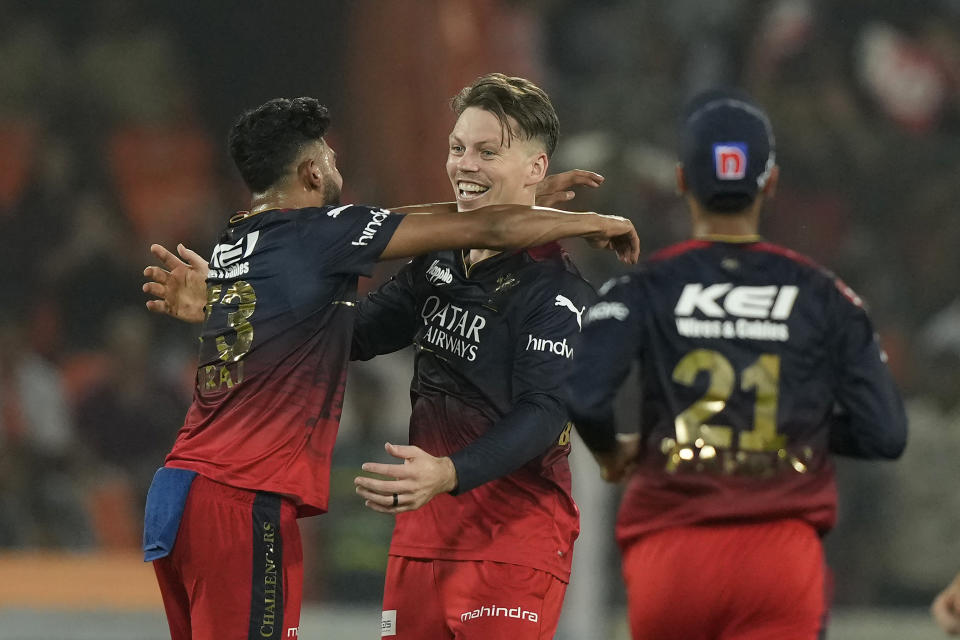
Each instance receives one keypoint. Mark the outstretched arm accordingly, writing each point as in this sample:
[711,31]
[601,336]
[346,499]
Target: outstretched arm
[179,287]
[553,190]
[510,227]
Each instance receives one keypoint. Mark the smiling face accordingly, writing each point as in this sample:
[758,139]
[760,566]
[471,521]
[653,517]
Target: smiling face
[487,166]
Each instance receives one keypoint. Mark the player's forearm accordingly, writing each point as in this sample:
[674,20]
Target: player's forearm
[882,436]
[873,421]
[600,436]
[524,433]
[590,392]
[436,207]
[515,226]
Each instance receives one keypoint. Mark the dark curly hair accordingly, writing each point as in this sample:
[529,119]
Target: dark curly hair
[505,96]
[264,141]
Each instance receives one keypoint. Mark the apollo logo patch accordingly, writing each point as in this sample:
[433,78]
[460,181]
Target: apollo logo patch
[730,160]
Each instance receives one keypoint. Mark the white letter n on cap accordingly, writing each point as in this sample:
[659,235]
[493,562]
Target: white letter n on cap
[730,160]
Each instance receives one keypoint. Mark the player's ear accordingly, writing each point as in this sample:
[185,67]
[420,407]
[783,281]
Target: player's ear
[309,175]
[770,187]
[681,180]
[538,167]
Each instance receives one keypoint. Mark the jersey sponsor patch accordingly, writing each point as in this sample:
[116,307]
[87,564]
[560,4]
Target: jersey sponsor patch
[377,216]
[494,611]
[607,311]
[730,160]
[756,311]
[438,274]
[388,623]
[611,283]
[227,254]
[720,299]
[557,347]
[455,329]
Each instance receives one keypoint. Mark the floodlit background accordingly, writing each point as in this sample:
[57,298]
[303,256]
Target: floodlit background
[113,116]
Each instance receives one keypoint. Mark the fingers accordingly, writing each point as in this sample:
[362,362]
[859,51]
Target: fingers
[403,451]
[554,199]
[192,257]
[628,247]
[155,289]
[395,471]
[379,508]
[158,306]
[379,491]
[947,617]
[156,274]
[379,495]
[582,177]
[169,260]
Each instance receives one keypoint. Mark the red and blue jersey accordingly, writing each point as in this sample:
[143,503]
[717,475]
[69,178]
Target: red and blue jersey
[755,365]
[274,348]
[493,344]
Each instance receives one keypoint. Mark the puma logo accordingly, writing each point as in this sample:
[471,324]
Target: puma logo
[564,301]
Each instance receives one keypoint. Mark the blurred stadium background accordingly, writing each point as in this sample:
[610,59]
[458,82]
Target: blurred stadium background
[112,121]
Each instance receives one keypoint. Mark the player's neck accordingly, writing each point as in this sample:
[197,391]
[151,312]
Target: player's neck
[706,223]
[476,255]
[283,197]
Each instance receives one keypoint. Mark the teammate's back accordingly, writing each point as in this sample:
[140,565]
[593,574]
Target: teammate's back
[748,353]
[755,366]
[274,348]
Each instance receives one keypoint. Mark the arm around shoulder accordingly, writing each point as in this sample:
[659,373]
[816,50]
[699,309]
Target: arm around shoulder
[509,227]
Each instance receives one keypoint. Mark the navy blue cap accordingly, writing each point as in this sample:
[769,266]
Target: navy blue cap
[727,149]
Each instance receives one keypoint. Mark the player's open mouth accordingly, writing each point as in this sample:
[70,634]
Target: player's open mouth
[470,190]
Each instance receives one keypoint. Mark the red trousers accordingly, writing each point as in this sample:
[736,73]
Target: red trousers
[236,570]
[468,600]
[727,582]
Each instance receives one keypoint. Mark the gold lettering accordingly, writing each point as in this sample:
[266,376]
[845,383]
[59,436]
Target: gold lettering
[225,378]
[217,378]
[209,378]
[241,294]
[213,292]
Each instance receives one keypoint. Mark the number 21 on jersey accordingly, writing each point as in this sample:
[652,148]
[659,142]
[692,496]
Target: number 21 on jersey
[694,434]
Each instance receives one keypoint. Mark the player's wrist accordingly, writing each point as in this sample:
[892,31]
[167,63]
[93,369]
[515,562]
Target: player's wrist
[451,481]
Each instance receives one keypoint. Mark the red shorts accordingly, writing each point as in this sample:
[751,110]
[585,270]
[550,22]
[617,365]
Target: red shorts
[236,570]
[469,600]
[724,582]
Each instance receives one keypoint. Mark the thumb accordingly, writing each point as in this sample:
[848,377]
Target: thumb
[400,451]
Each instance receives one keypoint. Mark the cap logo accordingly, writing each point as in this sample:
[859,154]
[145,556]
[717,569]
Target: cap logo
[730,160]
